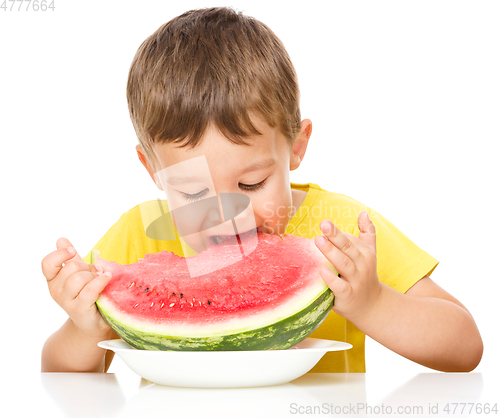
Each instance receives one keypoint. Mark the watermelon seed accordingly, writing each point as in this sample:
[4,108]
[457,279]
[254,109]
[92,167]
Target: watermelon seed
[209,302]
[162,305]
[152,303]
[172,304]
[199,302]
[132,285]
[191,304]
[173,294]
[182,295]
[146,290]
[136,305]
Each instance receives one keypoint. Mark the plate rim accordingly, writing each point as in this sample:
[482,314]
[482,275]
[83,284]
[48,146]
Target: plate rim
[335,346]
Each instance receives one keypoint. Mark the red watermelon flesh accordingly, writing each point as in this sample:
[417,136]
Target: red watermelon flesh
[156,296]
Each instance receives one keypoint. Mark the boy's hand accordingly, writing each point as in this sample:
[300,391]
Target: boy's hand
[75,286]
[358,288]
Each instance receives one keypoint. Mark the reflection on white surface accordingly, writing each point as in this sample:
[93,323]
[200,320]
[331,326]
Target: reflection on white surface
[271,401]
[84,394]
[427,394]
[329,394]
[125,394]
[438,387]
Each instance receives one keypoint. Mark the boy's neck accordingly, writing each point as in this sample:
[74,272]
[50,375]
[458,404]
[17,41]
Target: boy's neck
[298,197]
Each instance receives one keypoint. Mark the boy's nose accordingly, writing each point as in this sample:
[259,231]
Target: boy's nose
[214,216]
[217,209]
[233,204]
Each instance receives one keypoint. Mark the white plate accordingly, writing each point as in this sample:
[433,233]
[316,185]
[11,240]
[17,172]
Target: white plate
[224,369]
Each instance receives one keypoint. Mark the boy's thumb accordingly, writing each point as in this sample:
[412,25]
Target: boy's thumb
[367,231]
[65,243]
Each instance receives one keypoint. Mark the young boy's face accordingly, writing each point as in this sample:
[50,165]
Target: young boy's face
[249,184]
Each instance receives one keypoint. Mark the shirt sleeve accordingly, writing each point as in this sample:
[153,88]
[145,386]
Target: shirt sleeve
[117,244]
[400,262]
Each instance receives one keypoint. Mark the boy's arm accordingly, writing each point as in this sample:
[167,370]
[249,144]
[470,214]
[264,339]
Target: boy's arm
[426,325]
[70,349]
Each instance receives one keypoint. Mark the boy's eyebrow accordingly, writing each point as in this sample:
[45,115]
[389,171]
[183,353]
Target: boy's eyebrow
[176,180]
[268,162]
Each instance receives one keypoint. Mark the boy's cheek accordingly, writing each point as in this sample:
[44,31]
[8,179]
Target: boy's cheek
[274,226]
[275,217]
[195,217]
[195,242]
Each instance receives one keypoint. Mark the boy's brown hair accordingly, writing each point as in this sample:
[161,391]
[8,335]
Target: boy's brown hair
[211,66]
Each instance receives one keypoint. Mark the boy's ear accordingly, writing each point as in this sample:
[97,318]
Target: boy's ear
[144,160]
[300,145]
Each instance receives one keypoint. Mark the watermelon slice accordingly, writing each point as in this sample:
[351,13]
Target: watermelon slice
[272,298]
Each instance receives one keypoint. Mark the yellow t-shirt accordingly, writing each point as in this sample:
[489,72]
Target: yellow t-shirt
[400,263]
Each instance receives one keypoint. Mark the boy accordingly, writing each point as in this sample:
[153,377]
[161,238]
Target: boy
[214,100]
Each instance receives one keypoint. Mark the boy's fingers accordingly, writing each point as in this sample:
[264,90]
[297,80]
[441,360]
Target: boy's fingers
[75,283]
[53,263]
[342,263]
[69,280]
[338,285]
[340,240]
[65,243]
[89,294]
[367,231]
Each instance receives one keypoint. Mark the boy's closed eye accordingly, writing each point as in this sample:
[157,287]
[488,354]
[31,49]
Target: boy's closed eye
[199,195]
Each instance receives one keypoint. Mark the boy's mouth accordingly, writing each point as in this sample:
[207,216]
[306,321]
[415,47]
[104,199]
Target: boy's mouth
[232,239]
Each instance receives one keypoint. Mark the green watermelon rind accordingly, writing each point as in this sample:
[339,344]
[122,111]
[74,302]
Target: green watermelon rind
[93,256]
[280,335]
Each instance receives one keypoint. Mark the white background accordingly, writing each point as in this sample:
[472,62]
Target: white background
[404,99]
